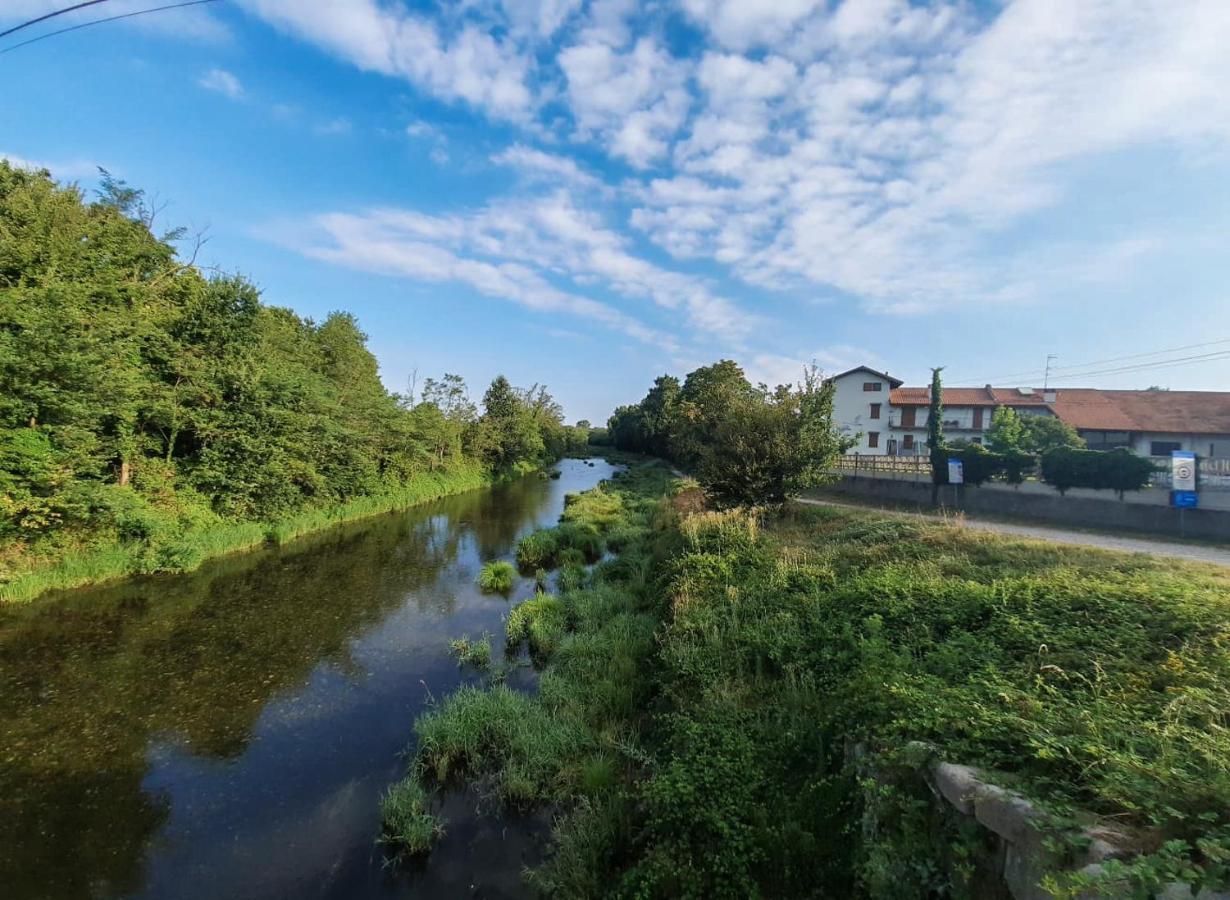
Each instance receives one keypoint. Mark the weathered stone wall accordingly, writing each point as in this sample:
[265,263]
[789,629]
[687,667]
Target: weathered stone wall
[1022,830]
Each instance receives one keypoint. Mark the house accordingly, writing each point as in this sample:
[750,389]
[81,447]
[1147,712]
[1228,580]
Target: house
[889,418]
[967,413]
[861,407]
[1152,423]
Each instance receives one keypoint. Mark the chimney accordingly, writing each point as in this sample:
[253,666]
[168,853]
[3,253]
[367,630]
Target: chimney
[1050,396]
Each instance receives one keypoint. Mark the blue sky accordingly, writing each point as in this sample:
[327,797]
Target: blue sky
[588,194]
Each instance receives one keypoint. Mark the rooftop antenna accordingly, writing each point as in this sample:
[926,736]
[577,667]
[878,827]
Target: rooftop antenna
[1046,378]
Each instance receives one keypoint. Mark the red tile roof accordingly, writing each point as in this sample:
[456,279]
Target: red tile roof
[1094,409]
[988,396]
[1174,412]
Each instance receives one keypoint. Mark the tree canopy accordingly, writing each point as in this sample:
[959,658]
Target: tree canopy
[134,389]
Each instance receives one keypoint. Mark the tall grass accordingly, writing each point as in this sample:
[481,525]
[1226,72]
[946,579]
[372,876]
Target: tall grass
[407,824]
[497,577]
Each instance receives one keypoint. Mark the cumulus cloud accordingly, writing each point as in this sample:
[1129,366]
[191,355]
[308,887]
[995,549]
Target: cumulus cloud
[222,82]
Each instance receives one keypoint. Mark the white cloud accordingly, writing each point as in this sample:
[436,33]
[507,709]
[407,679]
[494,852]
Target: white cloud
[336,126]
[914,136]
[64,169]
[634,101]
[775,368]
[415,246]
[546,167]
[467,64]
[223,82]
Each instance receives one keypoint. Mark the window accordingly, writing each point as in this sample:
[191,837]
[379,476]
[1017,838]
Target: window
[907,442]
[875,410]
[907,417]
[1164,448]
[978,419]
[977,440]
[873,439]
[873,385]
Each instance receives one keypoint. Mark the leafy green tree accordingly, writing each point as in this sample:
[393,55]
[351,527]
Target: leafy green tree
[1007,431]
[1043,433]
[707,394]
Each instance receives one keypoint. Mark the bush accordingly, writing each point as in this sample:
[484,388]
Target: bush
[1119,470]
[497,577]
[407,824]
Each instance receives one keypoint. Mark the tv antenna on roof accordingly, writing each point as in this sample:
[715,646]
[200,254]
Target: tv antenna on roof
[1046,378]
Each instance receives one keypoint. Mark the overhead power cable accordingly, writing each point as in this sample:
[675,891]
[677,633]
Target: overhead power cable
[50,15]
[1031,373]
[1145,367]
[139,12]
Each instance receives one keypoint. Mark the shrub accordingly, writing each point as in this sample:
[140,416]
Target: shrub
[497,577]
[407,823]
[1119,470]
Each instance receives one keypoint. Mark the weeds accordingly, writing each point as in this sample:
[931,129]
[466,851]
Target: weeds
[538,622]
[476,653]
[408,825]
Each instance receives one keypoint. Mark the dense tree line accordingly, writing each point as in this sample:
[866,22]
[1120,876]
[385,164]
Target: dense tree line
[135,388]
[745,443]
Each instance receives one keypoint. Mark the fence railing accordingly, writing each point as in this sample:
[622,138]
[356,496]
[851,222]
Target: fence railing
[1214,474]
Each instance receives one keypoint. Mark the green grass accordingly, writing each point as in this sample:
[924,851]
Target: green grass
[538,550]
[476,653]
[183,548]
[497,577]
[538,622]
[407,824]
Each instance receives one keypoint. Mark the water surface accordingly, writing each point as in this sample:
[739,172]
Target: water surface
[228,733]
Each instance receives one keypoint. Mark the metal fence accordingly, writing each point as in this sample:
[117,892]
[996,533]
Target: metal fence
[1214,474]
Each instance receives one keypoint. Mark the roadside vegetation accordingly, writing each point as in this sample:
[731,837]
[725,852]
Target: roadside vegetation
[152,416]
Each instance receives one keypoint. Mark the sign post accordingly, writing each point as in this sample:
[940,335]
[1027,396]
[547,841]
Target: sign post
[1183,480]
[956,477]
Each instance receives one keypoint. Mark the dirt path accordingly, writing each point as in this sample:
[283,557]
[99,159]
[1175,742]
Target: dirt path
[1197,552]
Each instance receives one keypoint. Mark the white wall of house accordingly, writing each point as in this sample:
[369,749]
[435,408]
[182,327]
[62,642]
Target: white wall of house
[1216,446]
[852,411]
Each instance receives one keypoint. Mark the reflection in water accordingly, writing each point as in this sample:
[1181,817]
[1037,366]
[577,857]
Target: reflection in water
[228,732]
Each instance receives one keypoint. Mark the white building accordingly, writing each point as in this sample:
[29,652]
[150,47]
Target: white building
[889,419]
[861,407]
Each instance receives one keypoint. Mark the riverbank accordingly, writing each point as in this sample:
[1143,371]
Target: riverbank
[34,571]
[735,706]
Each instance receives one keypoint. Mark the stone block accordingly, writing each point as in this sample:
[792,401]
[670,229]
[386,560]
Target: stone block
[959,785]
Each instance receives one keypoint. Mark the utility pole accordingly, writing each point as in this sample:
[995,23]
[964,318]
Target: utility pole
[1046,378]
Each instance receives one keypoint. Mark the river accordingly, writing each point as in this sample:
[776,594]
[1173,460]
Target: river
[229,732]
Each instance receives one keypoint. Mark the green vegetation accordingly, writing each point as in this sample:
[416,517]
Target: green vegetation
[745,444]
[476,653]
[151,417]
[497,577]
[408,825]
[538,622]
[740,705]
[1030,434]
[1118,470]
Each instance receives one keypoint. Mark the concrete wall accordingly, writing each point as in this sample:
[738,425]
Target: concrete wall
[1081,512]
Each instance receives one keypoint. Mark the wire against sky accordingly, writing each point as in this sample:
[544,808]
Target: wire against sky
[1058,371]
[139,12]
[50,15]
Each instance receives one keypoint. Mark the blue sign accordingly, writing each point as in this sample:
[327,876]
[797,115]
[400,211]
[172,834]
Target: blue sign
[1183,499]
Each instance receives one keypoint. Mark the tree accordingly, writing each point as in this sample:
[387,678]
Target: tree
[1007,431]
[935,436]
[1043,433]
[770,445]
[707,395]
